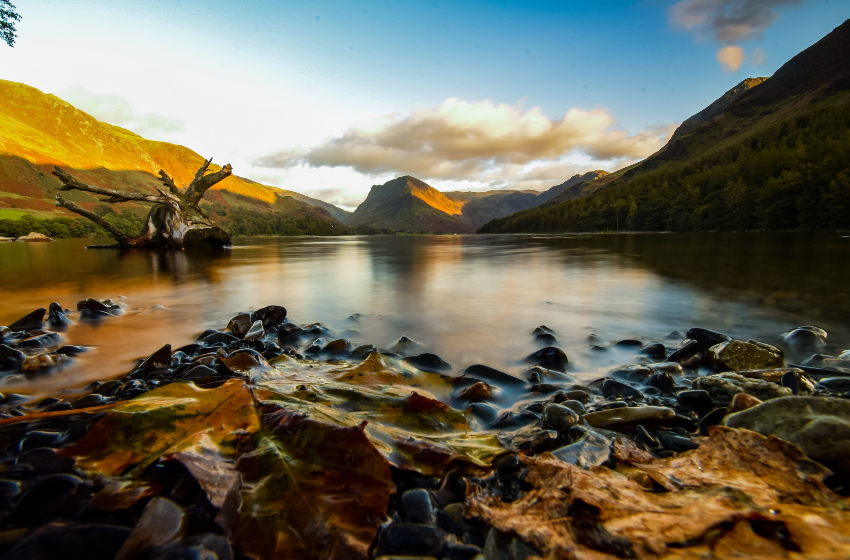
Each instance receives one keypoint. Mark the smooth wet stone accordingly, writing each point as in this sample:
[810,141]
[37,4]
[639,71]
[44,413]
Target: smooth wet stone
[362,352]
[416,507]
[774,375]
[545,339]
[42,361]
[256,331]
[630,417]
[94,315]
[723,386]
[740,355]
[159,359]
[823,371]
[821,360]
[628,344]
[45,461]
[657,351]
[510,421]
[486,412]
[478,392]
[492,375]
[220,338]
[588,448]
[611,388]
[546,388]
[820,426]
[696,400]
[542,329]
[109,388]
[240,325]
[339,347]
[797,382]
[633,372]
[742,401]
[836,384]
[29,322]
[104,306]
[706,338]
[712,418]
[44,340]
[806,338]
[58,407]
[572,395]
[69,350]
[57,495]
[534,375]
[594,340]
[162,522]
[647,438]
[60,540]
[9,357]
[687,355]
[675,442]
[271,316]
[664,382]
[89,401]
[559,417]
[546,440]
[575,406]
[57,320]
[410,539]
[672,368]
[199,372]
[405,345]
[548,357]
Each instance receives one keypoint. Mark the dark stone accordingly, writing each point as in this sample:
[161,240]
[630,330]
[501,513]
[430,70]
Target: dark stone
[44,403]
[58,321]
[89,401]
[485,411]
[806,338]
[339,347]
[588,448]
[664,382]
[698,401]
[240,325]
[405,345]
[9,490]
[190,349]
[706,338]
[9,357]
[647,438]
[69,350]
[486,373]
[459,551]
[94,315]
[256,331]
[105,306]
[55,308]
[656,351]
[713,418]
[29,322]
[362,352]
[549,357]
[416,507]
[797,383]
[109,388]
[510,421]
[57,495]
[628,344]
[410,539]
[199,372]
[675,442]
[45,461]
[687,355]
[547,440]
[159,359]
[836,384]
[573,395]
[545,339]
[271,316]
[478,392]
[41,341]
[611,388]
[559,418]
[428,362]
[64,540]
[542,329]
[40,439]
[220,337]
[57,407]
[575,406]
[534,375]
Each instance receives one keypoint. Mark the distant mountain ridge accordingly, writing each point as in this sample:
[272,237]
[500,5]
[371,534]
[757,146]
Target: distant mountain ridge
[408,204]
[38,131]
[768,154]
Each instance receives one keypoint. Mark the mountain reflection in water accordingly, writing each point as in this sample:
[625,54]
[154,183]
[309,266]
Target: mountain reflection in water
[470,299]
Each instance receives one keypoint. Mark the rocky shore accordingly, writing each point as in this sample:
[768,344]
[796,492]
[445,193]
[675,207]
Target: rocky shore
[271,439]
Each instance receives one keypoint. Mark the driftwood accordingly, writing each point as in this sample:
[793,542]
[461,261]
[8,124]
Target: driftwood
[175,222]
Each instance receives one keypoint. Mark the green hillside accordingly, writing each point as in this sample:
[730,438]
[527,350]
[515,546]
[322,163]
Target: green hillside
[777,158]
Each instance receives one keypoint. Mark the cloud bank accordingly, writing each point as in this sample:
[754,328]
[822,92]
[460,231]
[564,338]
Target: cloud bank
[118,111]
[729,22]
[481,141]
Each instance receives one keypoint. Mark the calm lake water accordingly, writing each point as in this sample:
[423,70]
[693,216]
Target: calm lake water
[471,299]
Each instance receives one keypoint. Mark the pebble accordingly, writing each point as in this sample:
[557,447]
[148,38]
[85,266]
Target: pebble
[724,386]
[806,338]
[271,316]
[256,331]
[477,392]
[560,418]
[696,400]
[797,382]
[549,357]
[9,357]
[162,522]
[416,507]
[240,325]
[629,417]
[611,388]
[742,401]
[706,338]
[740,355]
[588,448]
[492,375]
[574,405]
[687,355]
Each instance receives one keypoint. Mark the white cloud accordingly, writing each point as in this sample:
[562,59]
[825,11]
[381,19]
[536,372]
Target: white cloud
[730,58]
[481,141]
[118,111]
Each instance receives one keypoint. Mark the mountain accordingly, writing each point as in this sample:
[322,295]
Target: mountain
[574,187]
[774,157]
[38,131]
[408,204]
[481,207]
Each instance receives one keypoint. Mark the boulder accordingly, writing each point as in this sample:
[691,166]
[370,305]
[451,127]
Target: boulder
[35,237]
[706,338]
[723,387]
[820,426]
[740,355]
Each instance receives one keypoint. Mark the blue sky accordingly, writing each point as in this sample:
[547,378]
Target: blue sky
[330,97]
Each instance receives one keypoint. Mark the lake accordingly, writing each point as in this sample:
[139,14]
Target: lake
[470,299]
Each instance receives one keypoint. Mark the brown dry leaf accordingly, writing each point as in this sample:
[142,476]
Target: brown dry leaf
[739,495]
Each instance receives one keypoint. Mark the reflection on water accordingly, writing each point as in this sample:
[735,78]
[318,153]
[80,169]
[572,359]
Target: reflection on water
[470,299]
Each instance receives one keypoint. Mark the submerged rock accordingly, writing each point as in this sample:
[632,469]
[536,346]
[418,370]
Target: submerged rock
[492,375]
[723,386]
[740,355]
[478,392]
[806,338]
[10,358]
[428,362]
[271,316]
[820,426]
[588,448]
[29,322]
[405,345]
[549,357]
